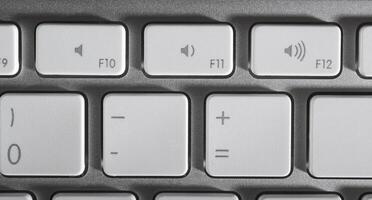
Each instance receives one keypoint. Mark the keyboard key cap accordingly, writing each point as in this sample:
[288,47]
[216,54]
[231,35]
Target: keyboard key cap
[188,50]
[15,196]
[300,197]
[365,50]
[296,50]
[9,50]
[42,134]
[240,125]
[367,197]
[141,137]
[340,135]
[89,49]
[94,196]
[196,196]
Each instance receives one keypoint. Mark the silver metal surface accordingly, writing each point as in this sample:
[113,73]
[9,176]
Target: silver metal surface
[135,15]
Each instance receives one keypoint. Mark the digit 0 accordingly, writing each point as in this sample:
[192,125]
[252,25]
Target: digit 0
[14,149]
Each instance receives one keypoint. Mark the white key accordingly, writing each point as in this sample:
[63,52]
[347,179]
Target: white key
[365,50]
[367,197]
[296,50]
[145,134]
[196,196]
[42,134]
[15,196]
[94,196]
[238,126]
[81,49]
[300,197]
[340,136]
[9,50]
[188,50]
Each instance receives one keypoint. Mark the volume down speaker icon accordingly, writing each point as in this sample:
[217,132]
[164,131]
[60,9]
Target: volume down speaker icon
[188,50]
[297,51]
[79,50]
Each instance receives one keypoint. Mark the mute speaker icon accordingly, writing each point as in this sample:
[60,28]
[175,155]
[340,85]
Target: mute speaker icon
[79,50]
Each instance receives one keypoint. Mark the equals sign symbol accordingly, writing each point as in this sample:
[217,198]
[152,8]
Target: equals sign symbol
[222,153]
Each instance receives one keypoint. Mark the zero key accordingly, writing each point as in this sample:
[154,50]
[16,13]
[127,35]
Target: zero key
[42,134]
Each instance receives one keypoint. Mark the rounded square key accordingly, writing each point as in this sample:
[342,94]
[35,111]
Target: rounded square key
[95,196]
[364,51]
[367,197]
[42,134]
[300,197]
[340,136]
[15,196]
[290,50]
[248,135]
[81,53]
[196,196]
[9,50]
[188,50]
[145,134]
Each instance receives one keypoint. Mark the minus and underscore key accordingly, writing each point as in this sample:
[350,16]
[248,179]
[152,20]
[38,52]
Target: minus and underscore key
[117,117]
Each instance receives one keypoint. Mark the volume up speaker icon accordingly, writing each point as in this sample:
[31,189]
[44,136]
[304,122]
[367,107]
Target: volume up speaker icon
[297,51]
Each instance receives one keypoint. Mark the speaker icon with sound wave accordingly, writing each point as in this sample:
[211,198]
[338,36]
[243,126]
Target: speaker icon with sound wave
[297,51]
[188,50]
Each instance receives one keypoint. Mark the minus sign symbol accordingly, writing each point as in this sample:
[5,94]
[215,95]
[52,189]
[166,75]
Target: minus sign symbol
[222,156]
[114,153]
[117,117]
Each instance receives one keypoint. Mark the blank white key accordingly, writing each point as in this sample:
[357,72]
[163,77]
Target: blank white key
[145,134]
[42,134]
[188,49]
[81,49]
[94,196]
[340,136]
[196,196]
[300,197]
[367,197]
[296,50]
[248,135]
[15,196]
[365,51]
[9,49]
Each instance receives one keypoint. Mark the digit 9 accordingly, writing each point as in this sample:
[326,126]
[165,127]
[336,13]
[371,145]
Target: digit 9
[4,62]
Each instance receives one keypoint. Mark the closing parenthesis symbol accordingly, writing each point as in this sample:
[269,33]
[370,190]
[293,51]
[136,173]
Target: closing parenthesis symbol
[304,48]
[193,50]
[12,120]
[296,50]
[300,47]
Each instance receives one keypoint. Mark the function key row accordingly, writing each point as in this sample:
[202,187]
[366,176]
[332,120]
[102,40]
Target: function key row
[44,134]
[176,196]
[184,50]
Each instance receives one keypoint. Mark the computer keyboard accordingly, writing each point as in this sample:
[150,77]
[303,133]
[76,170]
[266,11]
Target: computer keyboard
[185,100]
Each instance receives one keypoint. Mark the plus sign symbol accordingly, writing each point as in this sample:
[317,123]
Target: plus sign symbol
[223,118]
